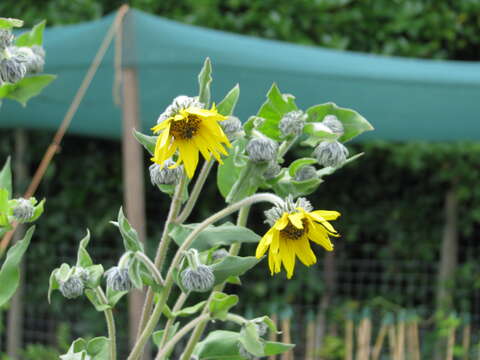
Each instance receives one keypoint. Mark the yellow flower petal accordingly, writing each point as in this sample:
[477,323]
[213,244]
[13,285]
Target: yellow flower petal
[287,254]
[324,222]
[281,223]
[317,234]
[296,219]
[264,243]
[326,214]
[304,251]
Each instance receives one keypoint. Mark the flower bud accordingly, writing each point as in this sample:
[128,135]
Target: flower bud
[82,274]
[260,149]
[232,127]
[200,279]
[118,279]
[244,352]
[164,175]
[219,254]
[23,211]
[12,70]
[330,153]
[332,122]
[272,171]
[6,38]
[179,103]
[72,287]
[261,328]
[305,173]
[37,61]
[292,123]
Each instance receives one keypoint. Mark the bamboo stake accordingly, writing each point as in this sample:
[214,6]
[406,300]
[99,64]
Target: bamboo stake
[467,330]
[310,339]
[286,338]
[401,338]
[349,339]
[392,342]
[377,348]
[415,340]
[450,344]
[272,336]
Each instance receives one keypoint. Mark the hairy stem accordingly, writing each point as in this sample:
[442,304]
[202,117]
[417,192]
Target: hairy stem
[157,311]
[181,333]
[240,320]
[197,188]
[110,324]
[200,328]
[150,266]
[162,250]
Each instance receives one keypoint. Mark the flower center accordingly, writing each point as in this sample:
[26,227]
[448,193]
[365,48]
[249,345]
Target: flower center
[185,129]
[293,233]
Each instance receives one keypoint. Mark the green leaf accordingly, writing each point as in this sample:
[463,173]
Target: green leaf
[158,335]
[4,209]
[98,348]
[354,124]
[276,106]
[221,303]
[95,273]
[32,37]
[38,210]
[286,185]
[8,23]
[219,345]
[114,296]
[92,296]
[299,163]
[148,142]
[248,182]
[204,81]
[131,241]
[275,348]
[83,258]
[189,310]
[227,105]
[232,266]
[232,166]
[10,271]
[250,339]
[225,234]
[317,132]
[6,178]
[330,170]
[26,88]
[134,271]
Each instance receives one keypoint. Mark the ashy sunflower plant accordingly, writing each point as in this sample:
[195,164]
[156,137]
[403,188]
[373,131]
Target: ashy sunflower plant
[207,260]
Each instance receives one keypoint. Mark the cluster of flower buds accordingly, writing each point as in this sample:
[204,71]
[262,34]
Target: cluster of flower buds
[232,127]
[18,61]
[179,103]
[262,149]
[23,210]
[292,123]
[331,153]
[197,277]
[118,279]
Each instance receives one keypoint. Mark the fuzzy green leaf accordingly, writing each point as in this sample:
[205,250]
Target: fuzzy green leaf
[8,23]
[6,178]
[227,105]
[131,241]
[83,258]
[148,142]
[232,266]
[204,81]
[26,88]
[221,303]
[32,37]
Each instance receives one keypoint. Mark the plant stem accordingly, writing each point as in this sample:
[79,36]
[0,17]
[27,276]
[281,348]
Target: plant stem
[110,323]
[285,146]
[178,305]
[151,267]
[157,311]
[197,188]
[162,250]
[240,320]
[181,333]
[200,328]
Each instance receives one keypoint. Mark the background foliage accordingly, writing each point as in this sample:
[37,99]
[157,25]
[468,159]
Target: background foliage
[391,199]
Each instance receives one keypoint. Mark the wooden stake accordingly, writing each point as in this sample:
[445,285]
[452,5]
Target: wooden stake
[401,340]
[310,340]
[377,348]
[273,335]
[450,344]
[286,338]
[349,339]
[392,342]
[466,341]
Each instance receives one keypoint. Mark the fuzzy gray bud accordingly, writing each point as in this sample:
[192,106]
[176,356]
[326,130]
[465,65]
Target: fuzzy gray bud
[244,352]
[332,122]
[118,279]
[200,279]
[232,127]
[164,175]
[292,123]
[6,38]
[305,173]
[37,62]
[288,206]
[72,287]
[179,103]
[12,70]
[330,153]
[219,254]
[82,274]
[23,211]
[261,328]
[260,149]
[272,171]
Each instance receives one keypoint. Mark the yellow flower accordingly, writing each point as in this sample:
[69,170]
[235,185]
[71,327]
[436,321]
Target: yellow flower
[190,130]
[289,237]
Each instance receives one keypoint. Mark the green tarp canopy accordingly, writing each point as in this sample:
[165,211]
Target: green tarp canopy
[405,99]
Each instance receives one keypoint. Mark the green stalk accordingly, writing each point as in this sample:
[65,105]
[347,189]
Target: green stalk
[110,323]
[197,188]
[157,311]
[200,328]
[162,250]
[181,333]
[150,266]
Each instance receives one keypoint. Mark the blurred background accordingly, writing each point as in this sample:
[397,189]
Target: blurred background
[410,210]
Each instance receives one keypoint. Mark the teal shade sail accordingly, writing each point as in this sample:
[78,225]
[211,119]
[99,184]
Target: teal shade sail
[404,99]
